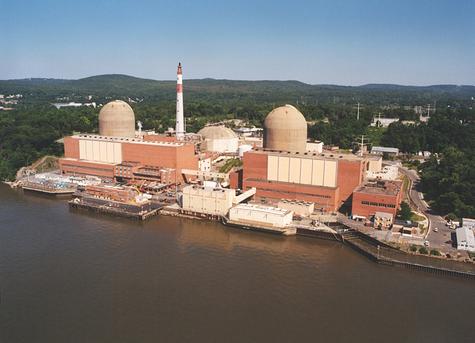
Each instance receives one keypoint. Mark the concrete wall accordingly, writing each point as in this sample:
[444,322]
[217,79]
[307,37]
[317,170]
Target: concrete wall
[222,145]
[100,151]
[260,215]
[208,200]
[316,172]
[375,164]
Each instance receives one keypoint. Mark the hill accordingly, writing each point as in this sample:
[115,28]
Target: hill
[116,85]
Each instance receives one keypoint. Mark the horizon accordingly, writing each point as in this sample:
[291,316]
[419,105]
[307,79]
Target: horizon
[242,80]
[342,42]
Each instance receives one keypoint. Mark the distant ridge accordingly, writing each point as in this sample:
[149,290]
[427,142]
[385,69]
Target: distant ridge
[120,85]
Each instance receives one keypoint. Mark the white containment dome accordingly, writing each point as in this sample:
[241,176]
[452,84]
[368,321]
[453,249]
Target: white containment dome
[218,139]
[285,129]
[117,119]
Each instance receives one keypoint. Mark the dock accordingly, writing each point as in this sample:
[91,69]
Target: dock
[132,211]
[249,225]
[37,187]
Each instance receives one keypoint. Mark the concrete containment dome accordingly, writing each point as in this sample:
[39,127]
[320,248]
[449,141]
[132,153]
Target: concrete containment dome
[285,128]
[217,132]
[117,119]
[219,139]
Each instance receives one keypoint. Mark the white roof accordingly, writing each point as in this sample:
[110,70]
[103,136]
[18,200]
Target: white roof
[464,234]
[385,149]
[260,208]
[468,222]
[125,140]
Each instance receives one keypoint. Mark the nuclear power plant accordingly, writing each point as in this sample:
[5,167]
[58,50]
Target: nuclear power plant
[214,171]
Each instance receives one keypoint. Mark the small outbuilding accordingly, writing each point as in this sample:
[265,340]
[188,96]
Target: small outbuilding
[465,239]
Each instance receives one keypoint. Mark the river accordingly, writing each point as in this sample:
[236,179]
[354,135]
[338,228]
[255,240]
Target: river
[68,276]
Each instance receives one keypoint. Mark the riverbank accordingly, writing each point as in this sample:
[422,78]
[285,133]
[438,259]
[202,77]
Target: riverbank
[368,246]
[375,250]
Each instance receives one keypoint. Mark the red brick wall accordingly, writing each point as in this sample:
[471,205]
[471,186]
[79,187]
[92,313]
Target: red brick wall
[176,157]
[75,167]
[325,197]
[235,179]
[254,165]
[71,147]
[358,208]
[350,176]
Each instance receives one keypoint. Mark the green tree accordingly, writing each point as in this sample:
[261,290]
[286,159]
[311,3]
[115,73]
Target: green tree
[405,212]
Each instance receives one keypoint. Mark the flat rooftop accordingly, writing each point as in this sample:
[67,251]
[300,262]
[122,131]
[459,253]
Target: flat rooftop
[380,188]
[127,140]
[309,154]
[261,208]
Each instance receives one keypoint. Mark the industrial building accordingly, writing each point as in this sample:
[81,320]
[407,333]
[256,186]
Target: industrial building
[379,196]
[465,239]
[116,149]
[211,201]
[260,215]
[219,139]
[284,169]
[327,180]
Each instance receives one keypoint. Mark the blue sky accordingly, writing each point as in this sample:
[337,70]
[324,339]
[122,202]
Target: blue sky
[347,42]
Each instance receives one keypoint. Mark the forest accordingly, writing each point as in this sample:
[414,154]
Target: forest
[33,127]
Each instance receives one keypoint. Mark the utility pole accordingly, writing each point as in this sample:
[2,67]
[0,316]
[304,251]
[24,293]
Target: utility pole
[362,144]
[358,112]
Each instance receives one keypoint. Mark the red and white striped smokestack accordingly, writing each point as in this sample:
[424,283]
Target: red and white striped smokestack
[180,121]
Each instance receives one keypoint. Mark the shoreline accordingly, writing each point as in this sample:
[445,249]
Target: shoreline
[376,251]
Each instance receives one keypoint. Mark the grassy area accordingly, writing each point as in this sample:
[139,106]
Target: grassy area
[416,218]
[234,162]
[405,184]
[412,164]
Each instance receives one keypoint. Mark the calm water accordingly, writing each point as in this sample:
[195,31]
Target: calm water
[76,277]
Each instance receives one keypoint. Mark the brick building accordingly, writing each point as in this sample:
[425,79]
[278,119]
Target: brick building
[327,179]
[379,196]
[100,156]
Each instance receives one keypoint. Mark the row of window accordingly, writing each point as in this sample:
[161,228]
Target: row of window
[287,192]
[378,204]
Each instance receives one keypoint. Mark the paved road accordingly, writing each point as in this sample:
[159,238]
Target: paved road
[439,234]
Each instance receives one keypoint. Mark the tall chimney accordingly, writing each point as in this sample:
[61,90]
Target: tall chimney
[180,120]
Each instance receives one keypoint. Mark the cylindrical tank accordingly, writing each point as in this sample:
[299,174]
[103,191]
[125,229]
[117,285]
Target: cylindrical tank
[243,148]
[285,129]
[117,119]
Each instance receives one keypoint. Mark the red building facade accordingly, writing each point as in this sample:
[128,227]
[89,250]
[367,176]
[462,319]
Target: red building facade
[327,180]
[98,156]
[380,196]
